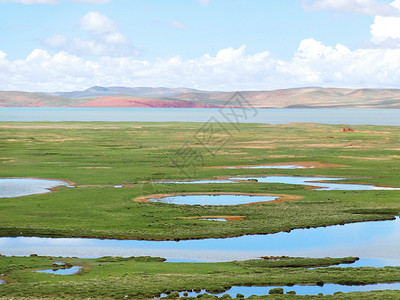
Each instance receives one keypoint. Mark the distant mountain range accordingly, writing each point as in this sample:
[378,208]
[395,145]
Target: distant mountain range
[311,97]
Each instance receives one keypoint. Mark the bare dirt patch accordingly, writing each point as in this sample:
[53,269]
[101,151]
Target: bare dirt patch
[367,158]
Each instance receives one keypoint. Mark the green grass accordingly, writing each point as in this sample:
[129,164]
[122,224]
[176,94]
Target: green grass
[142,277]
[100,154]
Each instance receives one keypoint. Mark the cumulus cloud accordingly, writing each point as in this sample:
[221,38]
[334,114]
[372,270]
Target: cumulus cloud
[204,2]
[97,22]
[104,40]
[385,31]
[178,25]
[365,7]
[313,64]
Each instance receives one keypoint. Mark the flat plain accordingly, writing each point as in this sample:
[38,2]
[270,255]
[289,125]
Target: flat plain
[142,157]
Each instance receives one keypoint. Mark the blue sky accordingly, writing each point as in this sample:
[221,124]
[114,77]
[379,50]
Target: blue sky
[61,45]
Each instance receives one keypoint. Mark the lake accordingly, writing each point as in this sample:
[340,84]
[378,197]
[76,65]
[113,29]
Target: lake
[376,243]
[266,116]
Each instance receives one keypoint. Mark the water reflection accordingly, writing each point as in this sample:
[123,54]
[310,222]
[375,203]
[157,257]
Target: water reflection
[326,289]
[214,199]
[16,187]
[67,271]
[314,181]
[378,241]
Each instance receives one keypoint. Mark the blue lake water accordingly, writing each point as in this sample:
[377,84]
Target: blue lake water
[313,181]
[326,289]
[376,243]
[16,187]
[214,199]
[267,116]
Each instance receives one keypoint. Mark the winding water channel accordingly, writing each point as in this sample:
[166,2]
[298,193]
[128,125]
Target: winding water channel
[376,243]
[299,180]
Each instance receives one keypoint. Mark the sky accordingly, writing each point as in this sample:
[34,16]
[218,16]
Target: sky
[219,45]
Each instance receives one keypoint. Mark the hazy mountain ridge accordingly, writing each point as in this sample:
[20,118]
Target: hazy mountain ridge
[312,97]
[98,91]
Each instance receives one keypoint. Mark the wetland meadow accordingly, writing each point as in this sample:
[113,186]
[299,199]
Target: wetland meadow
[264,216]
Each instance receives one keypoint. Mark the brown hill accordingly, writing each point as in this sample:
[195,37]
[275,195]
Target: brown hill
[307,98]
[115,101]
[287,98]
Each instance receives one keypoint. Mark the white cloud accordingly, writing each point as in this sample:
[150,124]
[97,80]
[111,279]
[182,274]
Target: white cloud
[178,25]
[104,39]
[97,22]
[385,31]
[57,41]
[365,7]
[313,64]
[204,2]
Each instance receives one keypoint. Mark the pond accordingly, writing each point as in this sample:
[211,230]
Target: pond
[376,243]
[314,181]
[62,271]
[17,187]
[326,289]
[213,199]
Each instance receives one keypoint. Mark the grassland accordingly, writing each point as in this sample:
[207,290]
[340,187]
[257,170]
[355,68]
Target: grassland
[96,156]
[137,278]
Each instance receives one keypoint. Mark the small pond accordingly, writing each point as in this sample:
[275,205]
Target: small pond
[326,289]
[16,187]
[376,243]
[214,219]
[314,181]
[2,281]
[67,271]
[214,199]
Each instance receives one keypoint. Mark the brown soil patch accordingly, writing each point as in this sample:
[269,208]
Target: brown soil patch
[228,218]
[282,197]
[362,131]
[367,158]
[306,164]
